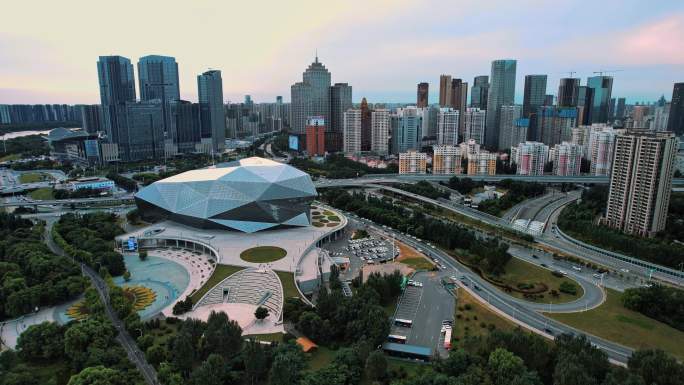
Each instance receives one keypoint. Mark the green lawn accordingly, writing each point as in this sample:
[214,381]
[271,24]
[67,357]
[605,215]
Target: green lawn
[289,288]
[220,273]
[411,368]
[163,333]
[418,263]
[614,322]
[519,271]
[320,357]
[42,194]
[263,254]
[271,337]
[32,177]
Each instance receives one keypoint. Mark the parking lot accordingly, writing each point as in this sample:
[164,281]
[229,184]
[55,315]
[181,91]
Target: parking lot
[426,307]
[372,250]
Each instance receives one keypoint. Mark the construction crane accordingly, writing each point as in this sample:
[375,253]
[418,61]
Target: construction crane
[601,72]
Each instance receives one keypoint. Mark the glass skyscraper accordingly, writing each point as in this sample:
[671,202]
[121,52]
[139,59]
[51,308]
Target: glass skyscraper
[535,94]
[158,78]
[501,92]
[117,86]
[602,87]
[213,118]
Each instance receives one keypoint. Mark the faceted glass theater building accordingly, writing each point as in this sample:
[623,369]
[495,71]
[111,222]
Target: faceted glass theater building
[248,195]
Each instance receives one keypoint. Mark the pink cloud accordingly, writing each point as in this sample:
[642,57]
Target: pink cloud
[659,42]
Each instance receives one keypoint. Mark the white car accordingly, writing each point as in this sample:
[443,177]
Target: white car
[577,268]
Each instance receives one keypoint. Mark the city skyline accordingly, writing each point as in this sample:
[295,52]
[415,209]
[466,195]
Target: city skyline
[642,44]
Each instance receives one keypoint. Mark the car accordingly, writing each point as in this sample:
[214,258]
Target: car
[535,256]
[563,272]
[544,265]
[597,276]
[477,287]
[577,268]
[548,331]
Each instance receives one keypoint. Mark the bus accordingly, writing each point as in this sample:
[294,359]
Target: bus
[396,338]
[407,323]
[447,338]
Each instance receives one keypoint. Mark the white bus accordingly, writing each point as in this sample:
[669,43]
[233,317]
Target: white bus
[396,338]
[407,323]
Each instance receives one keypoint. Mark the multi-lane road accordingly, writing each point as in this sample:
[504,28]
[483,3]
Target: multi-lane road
[523,312]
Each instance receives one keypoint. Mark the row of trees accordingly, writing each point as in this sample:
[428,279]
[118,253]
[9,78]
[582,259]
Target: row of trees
[423,188]
[90,238]
[30,275]
[337,166]
[123,182]
[518,358]
[489,255]
[580,220]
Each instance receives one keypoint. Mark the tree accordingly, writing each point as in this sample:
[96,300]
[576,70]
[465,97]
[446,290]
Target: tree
[257,361]
[260,313]
[44,341]
[213,371]
[127,276]
[98,375]
[168,376]
[182,352]
[376,366]
[222,336]
[506,368]
[288,364]
[142,254]
[656,367]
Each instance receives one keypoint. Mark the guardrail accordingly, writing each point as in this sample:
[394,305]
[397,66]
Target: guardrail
[621,257]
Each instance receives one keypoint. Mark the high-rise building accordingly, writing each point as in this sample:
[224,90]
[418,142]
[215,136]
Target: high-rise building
[641,181]
[567,159]
[459,100]
[480,92]
[601,146]
[315,136]
[482,163]
[212,112]
[422,95]
[501,92]
[475,120]
[91,118]
[620,108]
[568,92]
[530,158]
[509,134]
[184,125]
[554,124]
[340,101]
[141,131]
[534,94]
[310,97]
[406,129]
[380,129]
[430,121]
[446,160]
[675,122]
[412,162]
[661,114]
[117,86]
[158,78]
[445,90]
[366,135]
[602,87]
[447,126]
[469,147]
[352,131]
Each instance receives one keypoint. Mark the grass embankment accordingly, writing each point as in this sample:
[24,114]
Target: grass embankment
[616,323]
[42,194]
[263,254]
[519,272]
[270,337]
[288,282]
[473,319]
[9,157]
[412,258]
[220,273]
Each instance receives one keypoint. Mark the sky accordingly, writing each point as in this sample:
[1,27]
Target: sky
[382,48]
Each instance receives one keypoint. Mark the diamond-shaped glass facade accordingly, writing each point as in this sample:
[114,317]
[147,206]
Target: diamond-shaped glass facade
[252,194]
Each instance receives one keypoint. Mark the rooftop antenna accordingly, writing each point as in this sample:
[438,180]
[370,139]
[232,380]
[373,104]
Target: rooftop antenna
[316,55]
